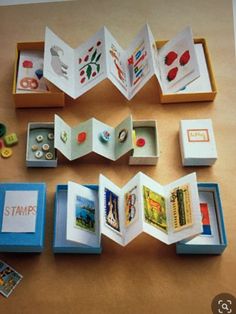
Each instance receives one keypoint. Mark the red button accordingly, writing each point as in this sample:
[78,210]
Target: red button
[140,142]
[81,137]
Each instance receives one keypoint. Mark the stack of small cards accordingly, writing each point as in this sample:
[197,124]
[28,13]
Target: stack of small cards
[9,279]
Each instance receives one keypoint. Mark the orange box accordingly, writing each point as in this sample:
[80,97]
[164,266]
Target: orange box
[54,97]
[192,96]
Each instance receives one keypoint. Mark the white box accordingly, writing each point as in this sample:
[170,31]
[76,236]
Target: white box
[197,142]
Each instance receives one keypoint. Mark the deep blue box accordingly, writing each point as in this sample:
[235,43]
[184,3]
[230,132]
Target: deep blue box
[213,240]
[21,241]
[60,243]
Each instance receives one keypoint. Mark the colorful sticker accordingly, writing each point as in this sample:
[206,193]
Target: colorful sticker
[131,212]
[9,279]
[89,63]
[205,219]
[154,209]
[138,64]
[181,207]
[85,214]
[198,135]
[111,210]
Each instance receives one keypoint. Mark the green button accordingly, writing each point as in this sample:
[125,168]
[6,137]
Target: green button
[10,139]
[3,129]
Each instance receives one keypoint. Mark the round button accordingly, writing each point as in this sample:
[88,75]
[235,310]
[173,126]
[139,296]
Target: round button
[51,136]
[49,156]
[122,136]
[38,154]
[3,129]
[6,152]
[39,138]
[64,136]
[140,142]
[34,147]
[45,147]
[81,137]
[105,136]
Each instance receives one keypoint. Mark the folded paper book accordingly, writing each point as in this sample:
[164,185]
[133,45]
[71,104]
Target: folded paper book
[76,71]
[169,213]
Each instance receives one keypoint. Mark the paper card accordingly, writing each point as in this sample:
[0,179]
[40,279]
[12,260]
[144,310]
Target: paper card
[139,62]
[123,137]
[90,63]
[154,208]
[82,215]
[59,63]
[116,64]
[9,279]
[62,137]
[133,223]
[184,215]
[111,210]
[30,72]
[20,211]
[178,62]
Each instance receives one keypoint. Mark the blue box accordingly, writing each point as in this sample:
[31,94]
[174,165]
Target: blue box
[24,241]
[60,243]
[213,240]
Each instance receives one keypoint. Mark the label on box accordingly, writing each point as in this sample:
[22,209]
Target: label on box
[20,211]
[198,135]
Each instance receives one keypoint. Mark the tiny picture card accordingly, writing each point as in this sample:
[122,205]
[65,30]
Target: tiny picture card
[205,219]
[178,62]
[30,71]
[111,210]
[82,215]
[131,210]
[9,279]
[20,211]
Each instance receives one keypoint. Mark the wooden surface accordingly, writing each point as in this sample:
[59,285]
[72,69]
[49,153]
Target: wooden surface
[146,276]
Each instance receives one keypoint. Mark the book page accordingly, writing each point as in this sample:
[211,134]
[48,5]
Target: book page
[59,63]
[62,137]
[183,205]
[116,64]
[178,62]
[111,204]
[139,62]
[154,209]
[90,63]
[133,224]
[82,215]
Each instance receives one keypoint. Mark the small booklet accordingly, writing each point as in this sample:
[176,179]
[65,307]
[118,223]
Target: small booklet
[9,279]
[75,71]
[169,213]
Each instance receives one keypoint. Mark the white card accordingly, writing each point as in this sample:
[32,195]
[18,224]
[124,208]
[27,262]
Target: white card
[20,211]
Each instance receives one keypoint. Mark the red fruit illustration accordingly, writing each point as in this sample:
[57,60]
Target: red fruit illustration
[82,80]
[80,60]
[94,73]
[90,49]
[81,73]
[184,59]
[172,74]
[170,57]
[86,58]
[98,43]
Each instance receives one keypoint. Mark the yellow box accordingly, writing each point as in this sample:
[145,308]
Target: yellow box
[192,96]
[52,98]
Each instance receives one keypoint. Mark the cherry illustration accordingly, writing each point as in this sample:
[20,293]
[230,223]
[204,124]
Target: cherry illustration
[170,57]
[90,49]
[82,80]
[94,73]
[98,43]
[86,58]
[184,59]
[172,74]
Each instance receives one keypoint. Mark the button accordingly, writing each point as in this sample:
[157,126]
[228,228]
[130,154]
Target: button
[140,142]
[6,152]
[122,136]
[10,139]
[64,136]
[51,136]
[105,136]
[38,154]
[34,147]
[81,137]
[45,147]
[3,129]
[39,138]
[49,156]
